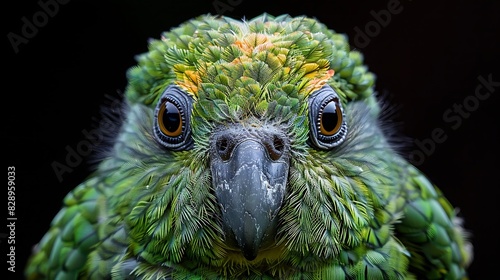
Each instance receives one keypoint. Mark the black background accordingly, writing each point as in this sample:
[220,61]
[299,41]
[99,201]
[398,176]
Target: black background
[427,58]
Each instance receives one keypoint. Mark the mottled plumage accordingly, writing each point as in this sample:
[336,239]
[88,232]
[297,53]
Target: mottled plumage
[253,149]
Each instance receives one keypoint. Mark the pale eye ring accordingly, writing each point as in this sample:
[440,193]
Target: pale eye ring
[328,127]
[172,116]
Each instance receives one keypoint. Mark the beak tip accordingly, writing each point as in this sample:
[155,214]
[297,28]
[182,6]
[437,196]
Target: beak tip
[250,254]
[250,234]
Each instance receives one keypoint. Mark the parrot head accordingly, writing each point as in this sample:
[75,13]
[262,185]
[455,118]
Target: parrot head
[253,149]
[251,121]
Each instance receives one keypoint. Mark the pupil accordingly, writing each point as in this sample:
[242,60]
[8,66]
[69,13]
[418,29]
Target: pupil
[329,118]
[171,117]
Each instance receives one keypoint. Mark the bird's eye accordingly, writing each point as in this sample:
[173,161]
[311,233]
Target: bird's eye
[171,120]
[330,118]
[326,116]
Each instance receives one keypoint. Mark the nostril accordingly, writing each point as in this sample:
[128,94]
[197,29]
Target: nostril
[278,143]
[274,144]
[275,147]
[224,147]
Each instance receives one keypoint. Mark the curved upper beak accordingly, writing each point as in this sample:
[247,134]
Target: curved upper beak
[250,186]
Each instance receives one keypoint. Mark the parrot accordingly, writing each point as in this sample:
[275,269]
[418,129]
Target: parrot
[253,149]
